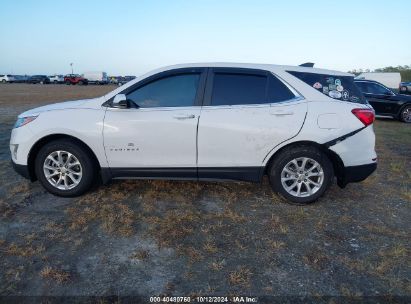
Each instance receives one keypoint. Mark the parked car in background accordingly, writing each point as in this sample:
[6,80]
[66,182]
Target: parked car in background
[307,126]
[20,78]
[385,101]
[75,79]
[96,77]
[124,79]
[405,87]
[113,79]
[56,79]
[42,79]
[7,78]
[390,80]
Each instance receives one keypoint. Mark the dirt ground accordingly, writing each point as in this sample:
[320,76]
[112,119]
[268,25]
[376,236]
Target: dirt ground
[147,238]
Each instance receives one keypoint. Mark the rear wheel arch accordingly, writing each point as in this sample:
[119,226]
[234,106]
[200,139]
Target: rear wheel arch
[336,161]
[49,138]
[402,108]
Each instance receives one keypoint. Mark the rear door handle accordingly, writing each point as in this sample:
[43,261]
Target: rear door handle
[181,117]
[281,113]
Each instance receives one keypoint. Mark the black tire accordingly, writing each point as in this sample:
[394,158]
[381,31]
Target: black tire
[86,161]
[68,82]
[56,82]
[287,155]
[404,115]
[80,83]
[3,81]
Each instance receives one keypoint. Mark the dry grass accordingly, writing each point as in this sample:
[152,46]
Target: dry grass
[27,250]
[173,227]
[54,274]
[398,166]
[6,210]
[210,247]
[241,277]
[316,259]
[383,230]
[20,188]
[140,255]
[217,265]
[106,207]
[407,192]
[276,225]
[398,251]
[276,245]
[193,254]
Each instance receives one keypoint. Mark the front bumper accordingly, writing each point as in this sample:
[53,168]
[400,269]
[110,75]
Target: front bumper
[23,170]
[354,174]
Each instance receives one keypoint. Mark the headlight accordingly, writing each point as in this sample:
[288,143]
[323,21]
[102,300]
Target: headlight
[24,121]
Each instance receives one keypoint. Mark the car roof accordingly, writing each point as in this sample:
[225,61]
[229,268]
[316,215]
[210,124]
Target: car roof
[366,80]
[261,66]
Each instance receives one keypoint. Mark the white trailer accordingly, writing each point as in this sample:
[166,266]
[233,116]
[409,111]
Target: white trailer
[390,80]
[96,77]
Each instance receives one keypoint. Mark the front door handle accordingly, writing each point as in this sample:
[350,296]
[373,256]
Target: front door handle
[281,113]
[181,117]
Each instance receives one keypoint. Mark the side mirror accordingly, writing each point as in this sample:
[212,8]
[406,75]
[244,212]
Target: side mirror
[120,101]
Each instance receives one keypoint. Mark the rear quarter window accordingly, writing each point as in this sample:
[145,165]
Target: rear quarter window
[337,87]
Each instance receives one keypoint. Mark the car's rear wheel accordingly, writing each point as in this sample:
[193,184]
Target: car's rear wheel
[80,83]
[68,82]
[64,168]
[301,174]
[405,115]
[3,81]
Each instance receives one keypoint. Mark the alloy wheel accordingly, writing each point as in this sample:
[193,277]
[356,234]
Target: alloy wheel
[406,114]
[62,170]
[302,177]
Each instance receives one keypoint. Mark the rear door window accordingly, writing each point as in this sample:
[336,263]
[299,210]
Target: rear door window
[243,88]
[337,87]
[238,89]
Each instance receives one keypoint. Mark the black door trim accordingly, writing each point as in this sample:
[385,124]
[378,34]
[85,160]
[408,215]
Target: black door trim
[341,138]
[251,174]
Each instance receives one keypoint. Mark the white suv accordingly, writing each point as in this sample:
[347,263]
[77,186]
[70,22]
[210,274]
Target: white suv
[7,78]
[56,79]
[300,126]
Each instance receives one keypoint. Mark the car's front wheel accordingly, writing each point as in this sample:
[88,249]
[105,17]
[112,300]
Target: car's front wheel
[301,174]
[405,115]
[64,168]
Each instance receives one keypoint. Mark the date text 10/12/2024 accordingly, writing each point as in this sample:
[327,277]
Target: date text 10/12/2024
[199,299]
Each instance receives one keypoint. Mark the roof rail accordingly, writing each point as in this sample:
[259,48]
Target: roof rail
[307,65]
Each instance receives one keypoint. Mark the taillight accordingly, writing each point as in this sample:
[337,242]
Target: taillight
[367,116]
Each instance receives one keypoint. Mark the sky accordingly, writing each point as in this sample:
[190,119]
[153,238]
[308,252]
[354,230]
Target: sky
[133,37]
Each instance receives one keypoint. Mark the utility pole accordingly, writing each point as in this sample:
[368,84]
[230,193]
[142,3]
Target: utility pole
[71,64]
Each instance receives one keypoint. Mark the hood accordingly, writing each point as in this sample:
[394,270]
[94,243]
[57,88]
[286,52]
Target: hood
[403,97]
[76,104]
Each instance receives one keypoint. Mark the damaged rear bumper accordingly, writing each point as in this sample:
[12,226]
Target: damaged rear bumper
[354,174]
